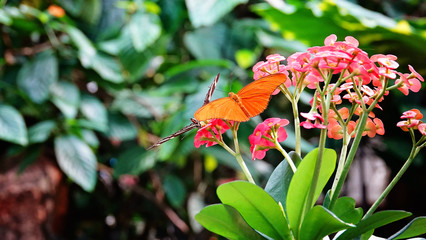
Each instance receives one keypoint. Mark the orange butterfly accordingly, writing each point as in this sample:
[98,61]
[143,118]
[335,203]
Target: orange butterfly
[250,101]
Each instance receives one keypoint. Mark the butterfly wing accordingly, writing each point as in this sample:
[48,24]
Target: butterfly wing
[224,108]
[256,95]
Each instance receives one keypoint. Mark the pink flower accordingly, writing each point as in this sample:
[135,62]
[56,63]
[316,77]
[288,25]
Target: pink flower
[317,119]
[422,128]
[263,69]
[265,134]
[205,134]
[415,74]
[413,117]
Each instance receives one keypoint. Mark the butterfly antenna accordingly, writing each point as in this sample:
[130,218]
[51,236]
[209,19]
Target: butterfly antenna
[211,90]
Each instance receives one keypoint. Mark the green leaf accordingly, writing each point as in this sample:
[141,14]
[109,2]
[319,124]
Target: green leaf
[94,110]
[279,181]
[77,161]
[86,50]
[41,131]
[207,12]
[257,207]
[414,228]
[144,30]
[90,138]
[214,37]
[12,125]
[119,128]
[37,75]
[66,97]
[134,161]
[320,222]
[106,66]
[345,210]
[175,190]
[374,221]
[227,222]
[301,183]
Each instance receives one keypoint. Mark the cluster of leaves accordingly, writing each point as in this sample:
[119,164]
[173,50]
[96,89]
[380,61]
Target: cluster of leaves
[88,86]
[250,212]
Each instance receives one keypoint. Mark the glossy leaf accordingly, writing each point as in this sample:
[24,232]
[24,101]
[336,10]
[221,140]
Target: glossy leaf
[414,228]
[227,222]
[256,206]
[345,210]
[77,161]
[37,75]
[134,161]
[279,181]
[41,131]
[94,110]
[320,222]
[66,97]
[144,36]
[301,184]
[175,190]
[374,221]
[207,12]
[12,125]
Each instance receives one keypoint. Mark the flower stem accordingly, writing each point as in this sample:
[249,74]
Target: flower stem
[238,156]
[342,158]
[285,154]
[398,176]
[297,134]
[335,194]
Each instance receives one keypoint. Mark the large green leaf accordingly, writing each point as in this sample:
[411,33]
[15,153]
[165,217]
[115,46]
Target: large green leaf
[207,12]
[414,228]
[345,210]
[226,221]
[37,75]
[174,189]
[93,109]
[12,125]
[77,161]
[320,222]
[301,183]
[279,181]
[134,161]
[66,97]
[343,18]
[374,221]
[41,131]
[257,207]
[144,30]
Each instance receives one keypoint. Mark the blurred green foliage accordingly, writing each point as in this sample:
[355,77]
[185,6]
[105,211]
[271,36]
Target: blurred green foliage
[94,85]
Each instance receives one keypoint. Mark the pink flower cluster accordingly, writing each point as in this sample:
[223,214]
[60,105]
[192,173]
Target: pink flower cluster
[366,80]
[412,120]
[265,134]
[211,133]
